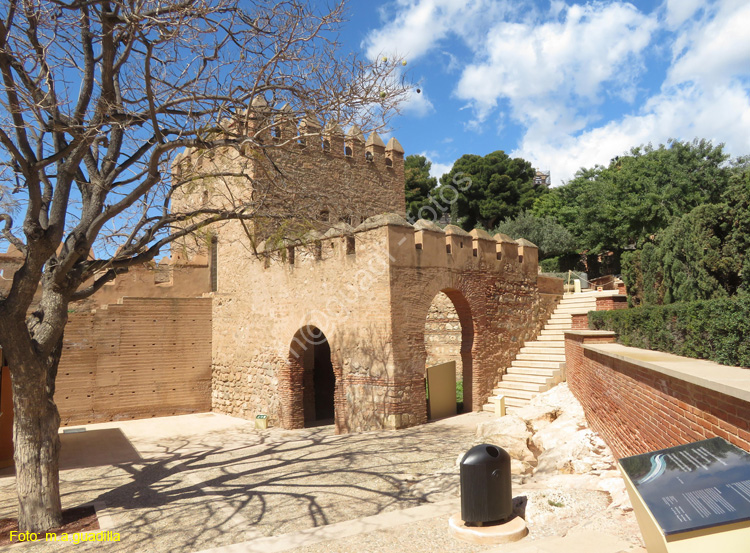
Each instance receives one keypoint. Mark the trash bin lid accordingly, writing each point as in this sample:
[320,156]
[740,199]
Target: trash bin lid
[485,454]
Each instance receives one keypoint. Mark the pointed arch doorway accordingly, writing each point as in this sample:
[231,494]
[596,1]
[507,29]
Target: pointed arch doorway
[312,368]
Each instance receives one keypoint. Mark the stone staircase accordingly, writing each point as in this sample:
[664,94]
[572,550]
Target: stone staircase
[541,363]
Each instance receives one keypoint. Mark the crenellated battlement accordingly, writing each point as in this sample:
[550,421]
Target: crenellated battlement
[423,244]
[307,134]
[178,276]
[310,172]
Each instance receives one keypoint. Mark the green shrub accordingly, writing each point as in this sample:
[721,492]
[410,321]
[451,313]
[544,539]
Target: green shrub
[718,330]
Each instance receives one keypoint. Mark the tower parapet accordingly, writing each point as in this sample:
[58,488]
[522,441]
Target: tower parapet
[309,171]
[423,244]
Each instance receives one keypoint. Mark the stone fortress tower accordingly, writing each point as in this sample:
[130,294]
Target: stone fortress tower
[319,302]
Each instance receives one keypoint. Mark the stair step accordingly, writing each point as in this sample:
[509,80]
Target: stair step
[512,388]
[545,344]
[512,405]
[561,316]
[542,350]
[516,402]
[590,294]
[537,364]
[577,310]
[514,393]
[532,379]
[557,326]
[540,357]
[531,371]
[552,338]
[554,332]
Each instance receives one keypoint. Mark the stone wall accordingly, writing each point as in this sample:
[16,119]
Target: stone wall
[175,277]
[369,293]
[142,358]
[298,183]
[491,281]
[442,334]
[264,301]
[642,401]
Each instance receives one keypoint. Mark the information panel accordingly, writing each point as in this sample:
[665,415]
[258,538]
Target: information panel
[693,486]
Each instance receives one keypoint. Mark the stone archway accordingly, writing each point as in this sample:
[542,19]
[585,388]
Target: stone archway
[313,381]
[449,336]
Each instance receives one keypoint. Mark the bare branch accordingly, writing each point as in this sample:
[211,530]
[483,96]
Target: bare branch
[84,293]
[9,236]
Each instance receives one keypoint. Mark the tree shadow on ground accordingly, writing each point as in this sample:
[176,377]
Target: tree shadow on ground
[200,494]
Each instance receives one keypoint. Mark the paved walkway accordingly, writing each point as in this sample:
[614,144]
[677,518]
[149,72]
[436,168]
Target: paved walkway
[205,482]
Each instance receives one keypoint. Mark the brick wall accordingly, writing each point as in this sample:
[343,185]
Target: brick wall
[637,409]
[610,303]
[579,321]
[142,358]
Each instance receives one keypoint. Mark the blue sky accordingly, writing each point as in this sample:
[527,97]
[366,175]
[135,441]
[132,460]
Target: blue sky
[562,84]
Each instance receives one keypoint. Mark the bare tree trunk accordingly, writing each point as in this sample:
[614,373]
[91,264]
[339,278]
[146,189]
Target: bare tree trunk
[36,442]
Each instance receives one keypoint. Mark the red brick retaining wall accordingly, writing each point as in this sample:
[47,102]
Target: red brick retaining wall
[610,303]
[637,409]
[579,321]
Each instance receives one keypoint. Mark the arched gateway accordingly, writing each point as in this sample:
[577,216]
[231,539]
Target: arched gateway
[369,290]
[314,382]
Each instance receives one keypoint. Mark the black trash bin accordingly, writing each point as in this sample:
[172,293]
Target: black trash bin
[486,495]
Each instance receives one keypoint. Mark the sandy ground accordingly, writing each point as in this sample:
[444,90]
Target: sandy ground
[205,481]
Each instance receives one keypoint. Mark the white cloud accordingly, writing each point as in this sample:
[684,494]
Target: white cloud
[679,11]
[703,96]
[439,169]
[720,113]
[419,25]
[716,50]
[555,73]
[417,104]
[555,67]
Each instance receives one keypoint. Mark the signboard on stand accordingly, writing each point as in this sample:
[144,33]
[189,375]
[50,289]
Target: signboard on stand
[691,492]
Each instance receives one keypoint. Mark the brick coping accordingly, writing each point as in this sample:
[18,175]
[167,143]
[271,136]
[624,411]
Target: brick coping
[727,380]
[596,333]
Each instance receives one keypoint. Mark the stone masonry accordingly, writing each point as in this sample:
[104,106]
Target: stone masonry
[326,288]
[442,334]
[369,291]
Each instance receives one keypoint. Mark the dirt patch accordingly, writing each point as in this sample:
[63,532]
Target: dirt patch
[77,519]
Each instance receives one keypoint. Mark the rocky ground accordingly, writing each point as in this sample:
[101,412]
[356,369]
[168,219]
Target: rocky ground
[565,470]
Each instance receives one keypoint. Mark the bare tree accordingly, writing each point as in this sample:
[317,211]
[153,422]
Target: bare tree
[97,98]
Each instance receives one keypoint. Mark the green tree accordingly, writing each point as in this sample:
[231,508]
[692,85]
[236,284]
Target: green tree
[628,202]
[486,190]
[545,232]
[701,255]
[418,185]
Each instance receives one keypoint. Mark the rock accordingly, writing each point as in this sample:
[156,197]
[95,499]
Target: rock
[539,416]
[519,467]
[509,432]
[561,397]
